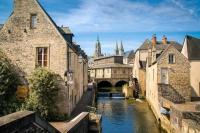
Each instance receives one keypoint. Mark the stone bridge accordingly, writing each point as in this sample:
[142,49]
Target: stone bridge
[111,82]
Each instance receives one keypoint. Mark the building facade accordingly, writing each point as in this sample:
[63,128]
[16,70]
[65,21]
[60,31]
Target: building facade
[140,58]
[110,69]
[31,39]
[191,48]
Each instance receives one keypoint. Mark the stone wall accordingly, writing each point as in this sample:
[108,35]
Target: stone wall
[19,41]
[178,74]
[25,121]
[142,81]
[185,119]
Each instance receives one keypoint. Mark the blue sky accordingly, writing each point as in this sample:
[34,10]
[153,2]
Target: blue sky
[131,21]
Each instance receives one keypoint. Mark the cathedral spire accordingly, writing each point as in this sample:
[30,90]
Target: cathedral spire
[116,49]
[121,49]
[97,48]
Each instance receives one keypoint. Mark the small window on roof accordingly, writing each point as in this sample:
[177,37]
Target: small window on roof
[33,21]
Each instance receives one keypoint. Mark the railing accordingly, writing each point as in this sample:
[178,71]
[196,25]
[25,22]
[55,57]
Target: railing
[79,124]
[168,92]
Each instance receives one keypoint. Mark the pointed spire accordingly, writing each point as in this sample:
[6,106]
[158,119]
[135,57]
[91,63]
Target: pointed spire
[116,49]
[121,49]
[98,48]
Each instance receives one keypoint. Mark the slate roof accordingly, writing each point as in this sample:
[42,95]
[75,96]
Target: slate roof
[193,48]
[65,30]
[129,54]
[113,65]
[1,26]
[159,46]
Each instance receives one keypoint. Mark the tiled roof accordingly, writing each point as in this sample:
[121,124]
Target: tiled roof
[159,46]
[193,47]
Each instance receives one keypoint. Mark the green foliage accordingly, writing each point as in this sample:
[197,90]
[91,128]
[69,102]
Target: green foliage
[8,85]
[43,94]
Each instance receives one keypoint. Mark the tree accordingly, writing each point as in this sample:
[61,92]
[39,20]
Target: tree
[8,85]
[44,88]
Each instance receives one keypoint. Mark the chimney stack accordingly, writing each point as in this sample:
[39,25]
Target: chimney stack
[164,40]
[154,40]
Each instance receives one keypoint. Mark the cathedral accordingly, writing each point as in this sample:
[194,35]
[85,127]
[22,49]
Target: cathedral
[119,50]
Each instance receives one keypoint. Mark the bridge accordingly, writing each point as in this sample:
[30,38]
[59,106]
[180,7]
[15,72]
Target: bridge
[110,72]
[111,82]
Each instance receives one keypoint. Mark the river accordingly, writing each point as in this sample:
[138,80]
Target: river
[122,116]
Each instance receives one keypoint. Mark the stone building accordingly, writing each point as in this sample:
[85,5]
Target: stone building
[31,39]
[140,59]
[110,71]
[167,81]
[129,57]
[191,48]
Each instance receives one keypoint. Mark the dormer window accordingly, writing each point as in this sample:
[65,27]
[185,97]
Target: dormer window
[171,59]
[33,21]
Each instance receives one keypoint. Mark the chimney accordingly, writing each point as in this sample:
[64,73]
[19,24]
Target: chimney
[154,40]
[164,40]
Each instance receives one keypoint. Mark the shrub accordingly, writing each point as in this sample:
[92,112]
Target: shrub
[8,85]
[43,93]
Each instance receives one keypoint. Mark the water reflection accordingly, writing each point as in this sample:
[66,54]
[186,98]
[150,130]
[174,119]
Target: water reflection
[121,117]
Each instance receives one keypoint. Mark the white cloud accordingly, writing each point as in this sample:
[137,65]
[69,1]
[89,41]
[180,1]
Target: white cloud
[124,15]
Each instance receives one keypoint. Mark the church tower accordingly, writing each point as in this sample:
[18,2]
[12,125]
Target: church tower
[116,49]
[97,49]
[121,49]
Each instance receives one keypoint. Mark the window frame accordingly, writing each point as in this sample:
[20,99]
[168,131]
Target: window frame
[33,21]
[171,58]
[43,54]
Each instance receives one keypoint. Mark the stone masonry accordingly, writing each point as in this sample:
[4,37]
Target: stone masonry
[19,41]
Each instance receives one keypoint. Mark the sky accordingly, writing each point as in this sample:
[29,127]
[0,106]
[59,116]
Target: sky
[129,21]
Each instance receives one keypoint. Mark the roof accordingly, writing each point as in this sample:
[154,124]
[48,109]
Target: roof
[159,46]
[1,26]
[114,65]
[65,30]
[129,54]
[104,57]
[193,47]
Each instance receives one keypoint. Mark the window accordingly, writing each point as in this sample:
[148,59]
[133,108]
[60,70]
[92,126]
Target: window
[171,59]
[42,57]
[33,21]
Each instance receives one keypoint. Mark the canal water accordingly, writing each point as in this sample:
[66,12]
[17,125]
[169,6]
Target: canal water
[122,116]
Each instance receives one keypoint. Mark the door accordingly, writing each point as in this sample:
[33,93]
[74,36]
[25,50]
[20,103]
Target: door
[164,75]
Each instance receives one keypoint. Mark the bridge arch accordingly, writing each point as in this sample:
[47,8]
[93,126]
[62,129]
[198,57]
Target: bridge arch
[120,83]
[103,84]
